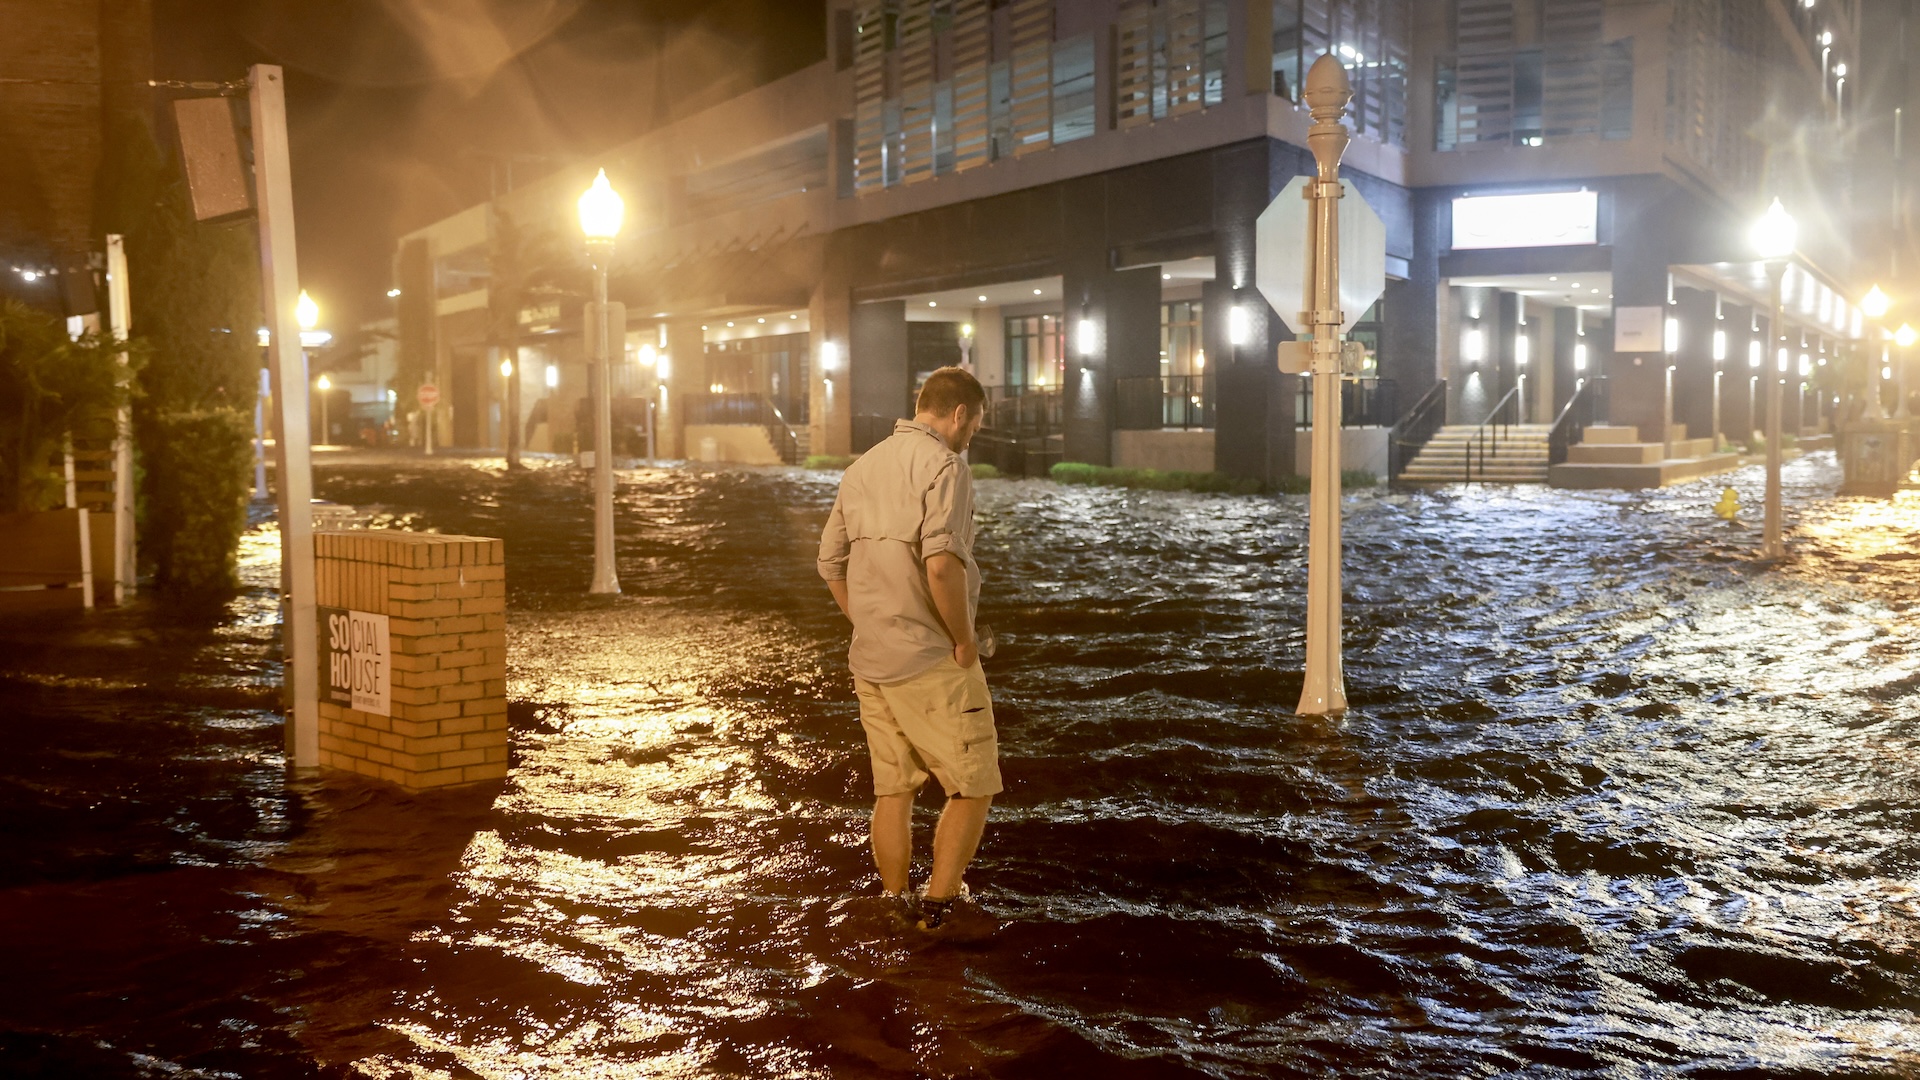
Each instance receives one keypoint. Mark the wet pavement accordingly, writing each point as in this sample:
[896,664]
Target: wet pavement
[1612,800]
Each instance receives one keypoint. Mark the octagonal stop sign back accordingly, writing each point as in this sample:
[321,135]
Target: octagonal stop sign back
[1280,255]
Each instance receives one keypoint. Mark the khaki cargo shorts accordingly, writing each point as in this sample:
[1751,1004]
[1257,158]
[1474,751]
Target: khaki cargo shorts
[939,722]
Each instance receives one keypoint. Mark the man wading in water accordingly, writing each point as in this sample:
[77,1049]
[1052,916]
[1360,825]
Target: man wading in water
[898,556]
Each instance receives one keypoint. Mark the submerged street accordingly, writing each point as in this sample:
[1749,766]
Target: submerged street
[1611,799]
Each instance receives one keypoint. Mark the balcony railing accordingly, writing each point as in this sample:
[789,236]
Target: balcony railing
[1534,96]
[1156,402]
[1363,403]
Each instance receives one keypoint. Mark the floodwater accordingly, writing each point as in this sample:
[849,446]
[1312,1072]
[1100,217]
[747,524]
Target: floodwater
[1612,800]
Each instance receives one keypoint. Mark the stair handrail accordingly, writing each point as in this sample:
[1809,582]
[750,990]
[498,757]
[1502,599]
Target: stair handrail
[1415,429]
[1566,429]
[1484,428]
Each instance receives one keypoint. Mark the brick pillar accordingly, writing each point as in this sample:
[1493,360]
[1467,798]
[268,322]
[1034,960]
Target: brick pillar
[445,599]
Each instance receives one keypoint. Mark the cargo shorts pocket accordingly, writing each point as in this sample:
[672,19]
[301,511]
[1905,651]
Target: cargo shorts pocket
[973,714]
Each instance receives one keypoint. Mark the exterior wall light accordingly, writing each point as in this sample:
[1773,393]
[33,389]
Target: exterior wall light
[1521,348]
[1672,336]
[1753,353]
[553,376]
[1474,346]
[1239,326]
[1719,345]
[1780,362]
[1084,339]
[1579,356]
[829,356]
[649,355]
[506,369]
[1886,373]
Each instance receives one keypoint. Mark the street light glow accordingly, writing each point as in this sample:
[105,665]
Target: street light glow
[1905,336]
[1774,235]
[601,210]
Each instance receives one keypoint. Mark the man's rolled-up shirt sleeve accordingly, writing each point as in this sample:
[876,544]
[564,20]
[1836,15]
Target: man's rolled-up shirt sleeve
[947,507]
[834,546]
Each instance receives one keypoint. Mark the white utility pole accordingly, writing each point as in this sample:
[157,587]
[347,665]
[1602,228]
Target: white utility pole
[1324,692]
[279,291]
[119,324]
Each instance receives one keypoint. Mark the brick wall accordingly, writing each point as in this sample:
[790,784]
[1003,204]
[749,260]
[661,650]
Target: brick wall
[445,598]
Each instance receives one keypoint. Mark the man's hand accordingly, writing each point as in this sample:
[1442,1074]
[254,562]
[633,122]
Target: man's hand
[838,587]
[947,581]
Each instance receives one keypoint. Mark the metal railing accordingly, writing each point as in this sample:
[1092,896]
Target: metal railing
[1488,433]
[1021,434]
[1412,431]
[1034,414]
[1587,406]
[1363,403]
[746,409]
[1159,402]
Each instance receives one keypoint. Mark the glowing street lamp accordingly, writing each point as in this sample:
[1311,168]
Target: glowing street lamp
[1773,238]
[1903,337]
[1875,303]
[601,212]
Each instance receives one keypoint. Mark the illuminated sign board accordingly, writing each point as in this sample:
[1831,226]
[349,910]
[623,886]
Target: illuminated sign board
[1549,219]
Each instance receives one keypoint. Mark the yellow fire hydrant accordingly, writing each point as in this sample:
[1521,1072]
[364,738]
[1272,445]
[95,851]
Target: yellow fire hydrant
[1728,506]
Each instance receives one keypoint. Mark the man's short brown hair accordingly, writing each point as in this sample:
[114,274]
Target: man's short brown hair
[948,389]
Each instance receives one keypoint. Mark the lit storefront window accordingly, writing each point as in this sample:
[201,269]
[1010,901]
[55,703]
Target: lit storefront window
[1036,353]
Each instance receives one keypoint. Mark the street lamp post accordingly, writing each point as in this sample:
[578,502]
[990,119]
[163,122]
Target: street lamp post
[1904,338]
[307,314]
[324,384]
[601,210]
[1773,238]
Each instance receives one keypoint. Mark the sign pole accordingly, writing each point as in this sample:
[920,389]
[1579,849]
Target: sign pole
[1327,93]
[119,320]
[279,289]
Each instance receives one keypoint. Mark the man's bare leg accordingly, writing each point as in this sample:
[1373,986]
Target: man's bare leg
[955,841]
[892,832]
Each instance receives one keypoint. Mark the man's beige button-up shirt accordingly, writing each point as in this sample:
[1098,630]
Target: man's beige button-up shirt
[902,502]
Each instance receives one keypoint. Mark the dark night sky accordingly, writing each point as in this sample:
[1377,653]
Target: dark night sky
[398,109]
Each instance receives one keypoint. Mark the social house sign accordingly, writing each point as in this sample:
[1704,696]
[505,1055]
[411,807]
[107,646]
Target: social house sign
[355,660]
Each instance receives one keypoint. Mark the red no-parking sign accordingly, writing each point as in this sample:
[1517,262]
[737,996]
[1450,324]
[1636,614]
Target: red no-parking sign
[428,395]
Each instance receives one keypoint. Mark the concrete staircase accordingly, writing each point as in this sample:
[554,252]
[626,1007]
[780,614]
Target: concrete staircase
[1614,457]
[1520,456]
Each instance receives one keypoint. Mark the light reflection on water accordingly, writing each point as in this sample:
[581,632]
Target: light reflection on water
[1612,799]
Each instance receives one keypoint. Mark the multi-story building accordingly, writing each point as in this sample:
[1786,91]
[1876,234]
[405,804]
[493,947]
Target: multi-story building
[1062,194]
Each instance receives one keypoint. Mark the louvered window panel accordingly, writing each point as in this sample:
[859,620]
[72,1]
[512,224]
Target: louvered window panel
[1185,78]
[914,32]
[1031,104]
[869,96]
[1572,88]
[972,42]
[1133,64]
[1482,25]
[1483,95]
[1571,22]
